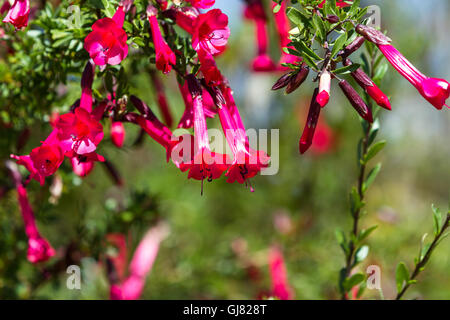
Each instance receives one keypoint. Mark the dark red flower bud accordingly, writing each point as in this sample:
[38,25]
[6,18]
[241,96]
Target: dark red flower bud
[352,47]
[215,93]
[297,80]
[331,18]
[373,35]
[141,106]
[282,82]
[311,123]
[356,101]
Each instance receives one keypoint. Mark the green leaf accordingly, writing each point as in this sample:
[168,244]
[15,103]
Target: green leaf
[320,27]
[301,46]
[365,233]
[339,44]
[371,177]
[374,150]
[401,276]
[347,69]
[437,216]
[297,17]
[277,8]
[355,201]
[340,236]
[353,281]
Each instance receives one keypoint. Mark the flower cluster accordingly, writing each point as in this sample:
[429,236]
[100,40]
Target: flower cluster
[341,34]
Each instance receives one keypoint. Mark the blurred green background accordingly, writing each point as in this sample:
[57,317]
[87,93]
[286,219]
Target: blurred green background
[298,209]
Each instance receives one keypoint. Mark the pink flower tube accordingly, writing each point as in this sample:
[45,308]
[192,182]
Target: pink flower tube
[18,14]
[435,91]
[278,275]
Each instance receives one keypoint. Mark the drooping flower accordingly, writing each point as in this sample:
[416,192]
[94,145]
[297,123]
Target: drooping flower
[435,91]
[39,249]
[185,17]
[205,164]
[211,32]
[208,67]
[311,124]
[140,266]
[339,3]
[262,62]
[278,275]
[107,43]
[152,126]
[43,161]
[117,133]
[165,57]
[283,26]
[18,14]
[80,168]
[324,89]
[247,162]
[202,4]
[79,132]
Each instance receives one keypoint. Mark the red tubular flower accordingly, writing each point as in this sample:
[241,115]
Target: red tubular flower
[43,161]
[211,32]
[283,27]
[39,250]
[324,89]
[311,123]
[208,67]
[187,120]
[140,266]
[339,3]
[202,4]
[18,14]
[435,91]
[247,163]
[205,164]
[161,99]
[278,275]
[255,11]
[370,87]
[152,126]
[117,134]
[79,132]
[107,43]
[165,57]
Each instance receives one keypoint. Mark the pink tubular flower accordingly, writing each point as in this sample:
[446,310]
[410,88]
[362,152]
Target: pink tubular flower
[283,27]
[208,67]
[185,17]
[187,120]
[278,274]
[107,43]
[247,162]
[311,123]
[39,250]
[79,132]
[324,89]
[211,32]
[435,91]
[205,163]
[117,134]
[165,57]
[43,161]
[18,14]
[255,11]
[202,4]
[339,4]
[81,169]
[140,266]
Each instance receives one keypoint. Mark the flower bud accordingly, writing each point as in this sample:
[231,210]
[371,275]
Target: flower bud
[297,80]
[117,134]
[373,35]
[331,18]
[356,101]
[352,47]
[311,123]
[282,82]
